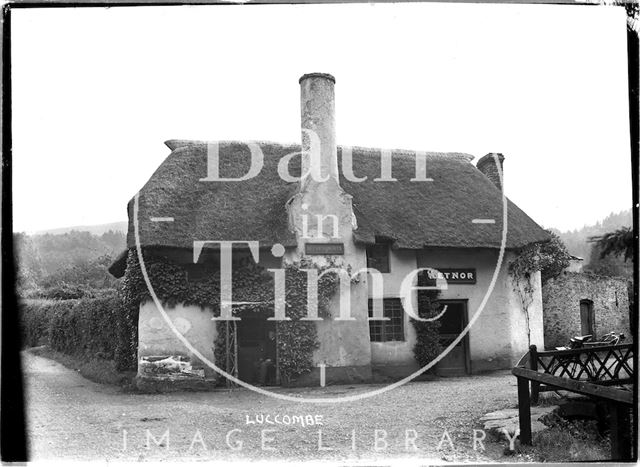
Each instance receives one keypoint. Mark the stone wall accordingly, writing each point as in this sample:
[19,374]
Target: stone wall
[561,304]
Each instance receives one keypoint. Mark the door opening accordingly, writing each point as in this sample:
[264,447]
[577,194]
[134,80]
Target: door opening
[587,318]
[457,362]
[257,362]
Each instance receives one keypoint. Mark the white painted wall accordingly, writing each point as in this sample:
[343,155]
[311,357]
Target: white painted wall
[519,338]
[343,344]
[401,263]
[498,337]
[155,338]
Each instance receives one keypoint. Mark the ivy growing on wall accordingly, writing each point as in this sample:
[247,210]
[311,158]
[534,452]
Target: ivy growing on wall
[550,258]
[521,269]
[169,281]
[428,344]
[296,339]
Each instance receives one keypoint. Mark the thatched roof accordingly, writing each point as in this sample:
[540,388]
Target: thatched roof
[119,266]
[412,215]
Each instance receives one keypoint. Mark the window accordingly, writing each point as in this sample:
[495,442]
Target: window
[391,330]
[378,257]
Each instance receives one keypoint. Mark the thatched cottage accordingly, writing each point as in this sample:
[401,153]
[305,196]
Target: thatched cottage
[392,210]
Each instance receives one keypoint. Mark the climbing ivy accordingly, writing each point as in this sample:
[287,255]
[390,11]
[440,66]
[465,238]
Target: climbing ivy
[550,258]
[296,339]
[427,345]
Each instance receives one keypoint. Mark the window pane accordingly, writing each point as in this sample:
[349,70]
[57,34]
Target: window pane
[392,330]
[375,327]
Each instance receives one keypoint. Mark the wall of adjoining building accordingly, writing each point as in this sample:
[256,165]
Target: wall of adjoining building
[561,303]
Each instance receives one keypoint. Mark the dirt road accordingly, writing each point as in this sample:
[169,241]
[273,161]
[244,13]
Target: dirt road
[73,418]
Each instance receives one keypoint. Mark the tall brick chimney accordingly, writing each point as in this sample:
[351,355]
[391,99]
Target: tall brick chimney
[487,165]
[317,109]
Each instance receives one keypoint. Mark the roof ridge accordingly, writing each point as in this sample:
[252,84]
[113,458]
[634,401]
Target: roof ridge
[412,152]
[174,144]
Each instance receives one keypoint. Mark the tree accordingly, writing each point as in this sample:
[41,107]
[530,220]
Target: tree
[610,265]
[28,262]
[116,240]
[615,243]
[610,253]
[87,273]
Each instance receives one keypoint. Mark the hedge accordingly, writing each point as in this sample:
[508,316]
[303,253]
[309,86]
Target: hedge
[35,318]
[87,328]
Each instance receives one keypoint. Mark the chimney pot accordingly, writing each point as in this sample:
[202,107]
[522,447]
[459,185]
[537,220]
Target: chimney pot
[487,165]
[317,75]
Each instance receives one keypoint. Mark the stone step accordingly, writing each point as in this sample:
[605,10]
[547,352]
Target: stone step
[507,420]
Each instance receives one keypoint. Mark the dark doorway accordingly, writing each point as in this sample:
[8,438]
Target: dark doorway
[452,323]
[587,318]
[257,349]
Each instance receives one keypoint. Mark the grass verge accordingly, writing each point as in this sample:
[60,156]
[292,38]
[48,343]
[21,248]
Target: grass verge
[567,440]
[558,445]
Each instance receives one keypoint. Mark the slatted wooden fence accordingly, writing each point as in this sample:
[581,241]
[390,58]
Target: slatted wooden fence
[602,372]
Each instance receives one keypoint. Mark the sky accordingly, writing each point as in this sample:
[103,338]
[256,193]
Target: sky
[96,92]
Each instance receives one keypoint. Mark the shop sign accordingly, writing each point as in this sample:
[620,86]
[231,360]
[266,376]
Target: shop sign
[324,248]
[452,276]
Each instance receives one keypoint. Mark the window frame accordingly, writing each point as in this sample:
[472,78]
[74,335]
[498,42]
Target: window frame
[385,328]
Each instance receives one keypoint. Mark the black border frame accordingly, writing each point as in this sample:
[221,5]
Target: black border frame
[13,443]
